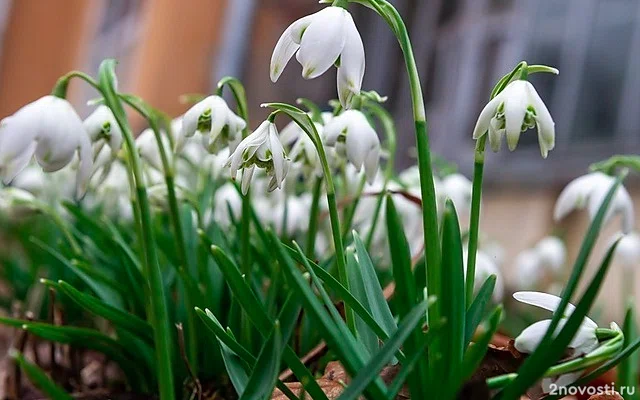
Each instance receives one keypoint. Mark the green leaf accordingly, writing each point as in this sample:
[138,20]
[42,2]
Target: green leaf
[628,368]
[235,368]
[228,342]
[265,372]
[356,285]
[477,308]
[344,294]
[476,351]
[238,93]
[378,305]
[119,318]
[453,303]
[39,378]
[541,359]
[386,354]
[337,336]
[405,294]
[92,278]
[260,318]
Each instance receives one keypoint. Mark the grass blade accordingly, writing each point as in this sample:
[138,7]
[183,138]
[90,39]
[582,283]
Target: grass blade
[40,379]
[265,372]
[477,308]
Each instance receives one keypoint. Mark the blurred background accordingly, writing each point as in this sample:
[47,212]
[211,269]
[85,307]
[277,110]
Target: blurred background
[167,48]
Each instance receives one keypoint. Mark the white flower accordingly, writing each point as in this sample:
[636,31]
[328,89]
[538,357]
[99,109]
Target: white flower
[213,119]
[528,269]
[456,187]
[486,267]
[552,253]
[302,151]
[516,109]
[321,40]
[590,191]
[628,251]
[102,128]
[227,204]
[263,149]
[361,143]
[52,130]
[148,148]
[585,340]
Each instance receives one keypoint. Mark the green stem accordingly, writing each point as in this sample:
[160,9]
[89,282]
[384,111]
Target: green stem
[176,221]
[474,220]
[241,102]
[427,187]
[159,318]
[313,218]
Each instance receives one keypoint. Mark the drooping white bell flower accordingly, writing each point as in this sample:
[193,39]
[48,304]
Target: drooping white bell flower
[628,251]
[589,191]
[227,205]
[148,148]
[516,109]
[103,128]
[319,41]
[528,269]
[214,120]
[302,151]
[456,187]
[585,340]
[486,267]
[261,149]
[552,253]
[50,129]
[352,132]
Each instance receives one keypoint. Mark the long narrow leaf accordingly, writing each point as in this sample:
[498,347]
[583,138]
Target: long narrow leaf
[40,379]
[477,308]
[265,372]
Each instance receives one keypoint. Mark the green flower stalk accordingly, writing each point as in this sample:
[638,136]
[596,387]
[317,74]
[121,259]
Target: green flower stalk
[158,315]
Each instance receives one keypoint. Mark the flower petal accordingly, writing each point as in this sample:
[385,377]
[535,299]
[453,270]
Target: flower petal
[529,339]
[284,50]
[352,64]
[322,42]
[546,301]
[487,113]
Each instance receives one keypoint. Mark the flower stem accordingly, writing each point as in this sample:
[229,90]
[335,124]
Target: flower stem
[474,220]
[427,187]
[313,218]
[176,221]
[159,315]
[237,89]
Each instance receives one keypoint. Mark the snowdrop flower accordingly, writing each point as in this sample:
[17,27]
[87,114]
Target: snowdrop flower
[302,150]
[628,251]
[589,191]
[486,267]
[528,269]
[263,149]
[456,187]
[319,41]
[552,253]
[585,340]
[52,130]
[102,128]
[148,148]
[227,201]
[516,109]
[212,118]
[361,143]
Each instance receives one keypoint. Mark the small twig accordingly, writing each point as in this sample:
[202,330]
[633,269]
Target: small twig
[52,320]
[14,379]
[183,353]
